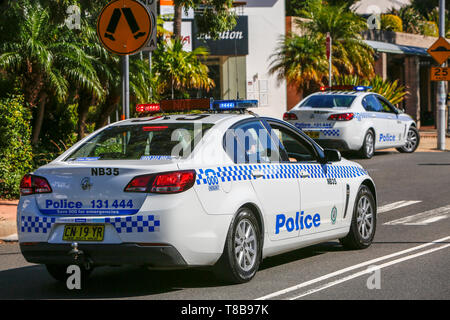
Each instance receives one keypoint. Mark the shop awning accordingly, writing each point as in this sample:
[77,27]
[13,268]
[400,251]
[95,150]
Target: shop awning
[396,49]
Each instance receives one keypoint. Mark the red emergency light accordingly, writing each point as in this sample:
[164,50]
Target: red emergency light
[148,107]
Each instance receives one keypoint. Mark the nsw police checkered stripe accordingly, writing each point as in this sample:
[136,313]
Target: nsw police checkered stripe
[135,223]
[280,171]
[36,224]
[331,132]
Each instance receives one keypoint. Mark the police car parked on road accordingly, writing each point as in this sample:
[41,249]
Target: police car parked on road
[354,120]
[174,191]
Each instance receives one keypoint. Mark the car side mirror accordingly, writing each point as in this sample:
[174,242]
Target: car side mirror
[331,155]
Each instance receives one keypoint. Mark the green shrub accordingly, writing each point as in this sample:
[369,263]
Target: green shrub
[391,90]
[15,146]
[429,28]
[391,22]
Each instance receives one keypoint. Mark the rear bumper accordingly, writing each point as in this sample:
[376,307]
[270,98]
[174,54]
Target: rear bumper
[158,256]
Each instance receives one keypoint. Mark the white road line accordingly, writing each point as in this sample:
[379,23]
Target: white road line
[370,270]
[396,205]
[339,272]
[423,218]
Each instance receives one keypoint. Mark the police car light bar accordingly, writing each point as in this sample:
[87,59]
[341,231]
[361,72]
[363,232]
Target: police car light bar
[346,88]
[206,104]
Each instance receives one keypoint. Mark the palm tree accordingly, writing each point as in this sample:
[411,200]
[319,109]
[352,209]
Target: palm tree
[350,53]
[176,69]
[44,59]
[302,59]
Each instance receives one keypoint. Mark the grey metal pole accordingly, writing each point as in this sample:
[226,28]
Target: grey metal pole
[150,68]
[330,74]
[126,86]
[441,86]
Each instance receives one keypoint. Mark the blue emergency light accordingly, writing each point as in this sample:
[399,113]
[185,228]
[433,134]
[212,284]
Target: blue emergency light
[227,105]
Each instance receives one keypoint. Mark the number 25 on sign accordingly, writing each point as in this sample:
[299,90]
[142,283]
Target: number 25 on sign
[440,74]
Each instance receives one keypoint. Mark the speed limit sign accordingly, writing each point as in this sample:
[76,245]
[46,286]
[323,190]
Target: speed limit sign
[440,74]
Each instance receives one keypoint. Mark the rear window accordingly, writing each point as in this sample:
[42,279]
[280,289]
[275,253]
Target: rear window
[142,142]
[328,101]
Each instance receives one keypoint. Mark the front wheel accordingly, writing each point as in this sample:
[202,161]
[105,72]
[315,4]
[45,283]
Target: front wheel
[242,253]
[364,221]
[412,141]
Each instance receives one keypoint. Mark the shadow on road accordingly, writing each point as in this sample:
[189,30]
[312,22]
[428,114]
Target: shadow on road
[33,282]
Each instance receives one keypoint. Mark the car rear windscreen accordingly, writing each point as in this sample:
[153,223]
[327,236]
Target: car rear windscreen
[142,142]
[328,101]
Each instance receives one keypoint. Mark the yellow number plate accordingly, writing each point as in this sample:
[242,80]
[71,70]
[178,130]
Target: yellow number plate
[312,134]
[84,232]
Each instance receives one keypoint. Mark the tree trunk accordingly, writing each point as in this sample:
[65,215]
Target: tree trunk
[83,109]
[177,21]
[39,119]
[106,109]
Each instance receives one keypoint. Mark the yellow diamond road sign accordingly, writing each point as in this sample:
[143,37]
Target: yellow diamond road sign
[440,50]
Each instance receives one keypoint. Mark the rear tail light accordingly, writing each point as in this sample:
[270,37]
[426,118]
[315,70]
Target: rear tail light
[341,116]
[167,182]
[289,116]
[31,184]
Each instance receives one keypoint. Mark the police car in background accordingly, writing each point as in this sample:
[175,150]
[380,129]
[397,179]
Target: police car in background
[350,118]
[175,191]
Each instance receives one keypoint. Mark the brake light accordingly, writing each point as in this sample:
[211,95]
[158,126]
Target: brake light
[289,116]
[341,116]
[167,182]
[155,128]
[31,184]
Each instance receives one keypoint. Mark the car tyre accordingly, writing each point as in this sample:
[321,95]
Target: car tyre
[364,221]
[59,272]
[412,141]
[368,148]
[242,253]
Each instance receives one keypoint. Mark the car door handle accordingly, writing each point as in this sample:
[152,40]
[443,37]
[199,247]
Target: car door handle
[257,174]
[304,174]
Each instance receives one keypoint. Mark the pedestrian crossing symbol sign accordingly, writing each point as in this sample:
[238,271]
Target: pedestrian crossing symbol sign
[124,26]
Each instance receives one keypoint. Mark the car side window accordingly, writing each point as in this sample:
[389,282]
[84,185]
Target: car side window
[386,107]
[371,103]
[298,150]
[250,142]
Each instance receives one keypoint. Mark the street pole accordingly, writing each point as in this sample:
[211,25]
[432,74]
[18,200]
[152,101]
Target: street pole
[441,86]
[329,53]
[150,67]
[126,86]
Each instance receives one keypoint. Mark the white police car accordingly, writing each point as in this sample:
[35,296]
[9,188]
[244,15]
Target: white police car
[354,120]
[176,191]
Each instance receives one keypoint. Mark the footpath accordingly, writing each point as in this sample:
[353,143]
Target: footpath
[8,208]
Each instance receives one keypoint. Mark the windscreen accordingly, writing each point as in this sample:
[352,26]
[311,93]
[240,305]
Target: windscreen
[142,142]
[328,101]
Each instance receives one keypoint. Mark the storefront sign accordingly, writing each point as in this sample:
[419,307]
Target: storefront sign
[231,42]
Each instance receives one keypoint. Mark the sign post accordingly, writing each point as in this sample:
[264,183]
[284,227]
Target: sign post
[124,27]
[329,54]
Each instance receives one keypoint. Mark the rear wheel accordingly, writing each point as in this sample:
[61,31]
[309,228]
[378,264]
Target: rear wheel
[364,221]
[368,147]
[242,253]
[412,141]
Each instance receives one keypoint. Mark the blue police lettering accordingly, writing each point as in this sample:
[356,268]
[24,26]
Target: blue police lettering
[63,204]
[387,137]
[301,222]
